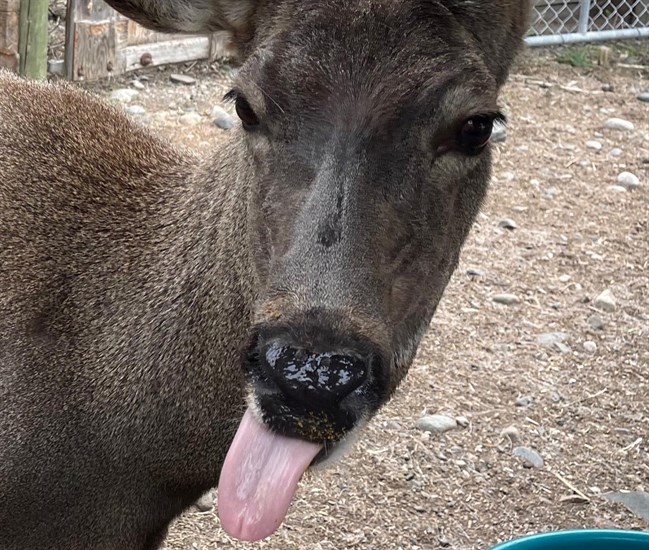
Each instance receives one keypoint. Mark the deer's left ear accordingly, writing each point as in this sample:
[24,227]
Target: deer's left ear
[191,16]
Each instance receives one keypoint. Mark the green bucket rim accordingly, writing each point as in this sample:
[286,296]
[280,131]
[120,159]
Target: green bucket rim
[576,535]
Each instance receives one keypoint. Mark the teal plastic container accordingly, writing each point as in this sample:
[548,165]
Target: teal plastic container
[580,539]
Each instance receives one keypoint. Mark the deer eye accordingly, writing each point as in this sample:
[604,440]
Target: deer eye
[244,111]
[475,133]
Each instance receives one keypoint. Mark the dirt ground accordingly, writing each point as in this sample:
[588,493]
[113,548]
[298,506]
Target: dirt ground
[588,412]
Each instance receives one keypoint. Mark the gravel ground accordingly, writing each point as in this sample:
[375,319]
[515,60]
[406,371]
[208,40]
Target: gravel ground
[553,373]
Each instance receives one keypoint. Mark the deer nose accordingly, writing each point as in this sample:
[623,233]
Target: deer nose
[313,377]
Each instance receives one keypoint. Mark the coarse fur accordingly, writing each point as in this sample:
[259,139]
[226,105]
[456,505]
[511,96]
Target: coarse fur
[141,287]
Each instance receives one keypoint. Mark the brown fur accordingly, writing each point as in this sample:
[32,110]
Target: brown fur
[133,274]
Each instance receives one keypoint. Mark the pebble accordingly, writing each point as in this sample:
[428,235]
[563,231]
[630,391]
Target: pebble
[595,322]
[436,423]
[499,133]
[506,299]
[616,152]
[564,278]
[508,223]
[605,301]
[644,96]
[530,458]
[189,119]
[524,401]
[476,272]
[123,95]
[222,119]
[137,85]
[645,160]
[511,433]
[608,88]
[617,188]
[462,421]
[205,503]
[551,339]
[619,124]
[595,145]
[135,110]
[182,79]
[590,346]
[392,425]
[628,180]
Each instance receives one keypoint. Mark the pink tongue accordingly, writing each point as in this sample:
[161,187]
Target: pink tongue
[259,478]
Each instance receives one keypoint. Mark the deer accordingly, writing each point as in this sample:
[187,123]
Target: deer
[172,322]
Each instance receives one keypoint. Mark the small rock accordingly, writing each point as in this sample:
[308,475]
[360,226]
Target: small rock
[608,88]
[205,503]
[628,180]
[135,110]
[123,95]
[182,79]
[524,401]
[550,339]
[436,423]
[595,322]
[595,145]
[499,133]
[616,152]
[222,119]
[590,346]
[605,301]
[563,348]
[476,272]
[462,421]
[508,223]
[564,278]
[506,299]
[511,433]
[616,189]
[555,397]
[645,160]
[619,124]
[392,425]
[189,119]
[530,458]
[137,85]
[644,96]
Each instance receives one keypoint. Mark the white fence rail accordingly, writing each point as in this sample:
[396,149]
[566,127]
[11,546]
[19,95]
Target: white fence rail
[565,21]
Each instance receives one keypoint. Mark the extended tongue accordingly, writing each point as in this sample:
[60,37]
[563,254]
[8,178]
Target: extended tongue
[259,478]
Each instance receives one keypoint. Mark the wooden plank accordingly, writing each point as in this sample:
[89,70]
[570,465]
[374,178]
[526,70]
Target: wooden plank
[137,34]
[9,23]
[32,38]
[10,5]
[94,50]
[93,11]
[162,53]
[9,31]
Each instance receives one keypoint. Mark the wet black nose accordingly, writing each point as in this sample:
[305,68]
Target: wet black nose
[308,377]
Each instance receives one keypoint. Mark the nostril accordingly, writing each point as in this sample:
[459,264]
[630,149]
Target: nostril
[322,376]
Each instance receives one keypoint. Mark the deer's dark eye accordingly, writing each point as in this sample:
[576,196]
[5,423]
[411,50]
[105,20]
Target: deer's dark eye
[244,111]
[475,133]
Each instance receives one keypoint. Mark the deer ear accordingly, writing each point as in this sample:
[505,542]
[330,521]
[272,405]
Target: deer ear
[191,16]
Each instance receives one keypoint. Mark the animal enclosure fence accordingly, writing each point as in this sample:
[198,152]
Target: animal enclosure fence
[565,21]
[89,40]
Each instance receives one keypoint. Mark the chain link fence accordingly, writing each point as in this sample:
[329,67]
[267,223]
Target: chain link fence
[565,21]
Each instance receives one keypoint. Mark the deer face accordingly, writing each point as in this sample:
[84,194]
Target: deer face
[369,137]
